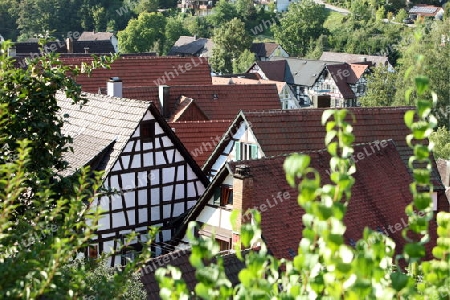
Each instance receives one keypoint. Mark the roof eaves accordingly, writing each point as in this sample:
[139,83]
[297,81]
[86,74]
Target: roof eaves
[224,141]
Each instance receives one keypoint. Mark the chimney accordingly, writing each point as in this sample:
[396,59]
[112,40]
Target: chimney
[69,45]
[363,59]
[114,87]
[12,51]
[86,49]
[242,197]
[164,94]
[195,37]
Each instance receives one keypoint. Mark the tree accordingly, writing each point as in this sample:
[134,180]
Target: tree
[401,15]
[174,29]
[140,6]
[198,26]
[441,140]
[230,41]
[244,61]
[223,12]
[143,33]
[427,40]
[380,88]
[38,246]
[303,22]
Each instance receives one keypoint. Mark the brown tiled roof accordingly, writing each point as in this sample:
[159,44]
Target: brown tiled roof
[238,80]
[144,71]
[180,260]
[200,137]
[229,100]
[274,70]
[187,110]
[263,49]
[287,131]
[379,197]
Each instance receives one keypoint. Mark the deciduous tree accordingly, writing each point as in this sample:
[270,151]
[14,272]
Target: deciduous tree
[303,22]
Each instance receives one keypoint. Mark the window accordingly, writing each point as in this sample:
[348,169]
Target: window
[92,251]
[147,131]
[245,151]
[224,245]
[223,195]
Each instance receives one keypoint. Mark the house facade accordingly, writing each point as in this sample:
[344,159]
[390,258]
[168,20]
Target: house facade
[378,201]
[150,179]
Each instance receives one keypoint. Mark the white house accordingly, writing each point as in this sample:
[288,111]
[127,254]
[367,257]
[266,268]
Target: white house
[154,177]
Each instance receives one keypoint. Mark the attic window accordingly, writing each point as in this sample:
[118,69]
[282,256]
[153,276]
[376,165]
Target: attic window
[223,195]
[147,131]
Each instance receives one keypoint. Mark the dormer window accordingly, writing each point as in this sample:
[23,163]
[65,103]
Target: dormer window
[245,151]
[147,131]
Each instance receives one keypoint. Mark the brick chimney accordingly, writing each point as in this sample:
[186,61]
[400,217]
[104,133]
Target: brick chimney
[242,197]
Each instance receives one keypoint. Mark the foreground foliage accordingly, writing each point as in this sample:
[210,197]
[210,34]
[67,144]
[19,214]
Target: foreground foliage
[45,220]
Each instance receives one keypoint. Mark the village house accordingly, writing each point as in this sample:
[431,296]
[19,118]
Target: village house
[379,197]
[423,11]
[192,46]
[317,83]
[267,50]
[149,178]
[375,60]
[287,97]
[91,36]
[258,134]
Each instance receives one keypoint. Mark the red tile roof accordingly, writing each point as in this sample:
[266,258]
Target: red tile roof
[229,100]
[378,201]
[286,131]
[145,71]
[200,137]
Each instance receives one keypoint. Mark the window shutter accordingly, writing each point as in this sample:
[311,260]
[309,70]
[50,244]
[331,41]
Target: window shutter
[253,151]
[237,149]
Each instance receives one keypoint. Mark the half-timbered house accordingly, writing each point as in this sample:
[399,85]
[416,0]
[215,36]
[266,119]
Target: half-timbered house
[154,176]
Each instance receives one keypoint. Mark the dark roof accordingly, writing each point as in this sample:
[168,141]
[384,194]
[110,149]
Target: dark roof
[191,45]
[95,36]
[218,102]
[273,70]
[200,137]
[353,58]
[180,259]
[28,48]
[378,200]
[263,49]
[145,70]
[304,72]
[341,81]
[101,46]
[286,131]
